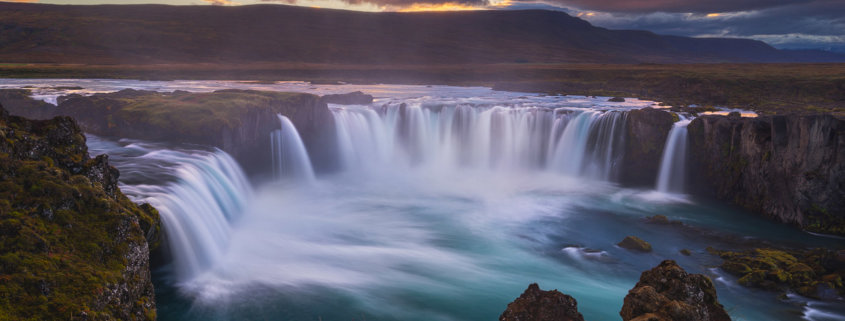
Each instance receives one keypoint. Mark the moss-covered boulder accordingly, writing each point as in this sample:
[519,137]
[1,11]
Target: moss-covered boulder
[538,305]
[635,243]
[667,292]
[74,247]
[812,273]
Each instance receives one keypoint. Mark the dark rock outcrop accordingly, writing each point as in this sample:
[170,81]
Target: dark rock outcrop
[616,99]
[353,98]
[74,247]
[789,168]
[635,243]
[19,103]
[538,305]
[667,292]
[646,132]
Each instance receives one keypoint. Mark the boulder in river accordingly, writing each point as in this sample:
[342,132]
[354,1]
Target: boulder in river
[667,292]
[635,243]
[538,305]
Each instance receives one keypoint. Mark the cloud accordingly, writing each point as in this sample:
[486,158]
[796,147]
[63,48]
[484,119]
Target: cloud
[678,6]
[221,2]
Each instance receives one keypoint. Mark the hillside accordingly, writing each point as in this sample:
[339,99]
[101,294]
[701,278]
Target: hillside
[108,34]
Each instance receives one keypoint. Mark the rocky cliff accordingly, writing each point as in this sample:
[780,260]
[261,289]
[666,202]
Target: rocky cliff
[646,131]
[74,247]
[236,121]
[789,168]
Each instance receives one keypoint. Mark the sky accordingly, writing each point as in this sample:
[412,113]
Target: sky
[785,24]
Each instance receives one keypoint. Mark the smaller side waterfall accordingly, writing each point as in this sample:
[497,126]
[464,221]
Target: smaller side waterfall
[290,158]
[670,179]
[210,192]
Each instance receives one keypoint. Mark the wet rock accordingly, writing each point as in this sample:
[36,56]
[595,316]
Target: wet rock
[789,168]
[538,305]
[635,243]
[353,98]
[685,252]
[667,292]
[616,99]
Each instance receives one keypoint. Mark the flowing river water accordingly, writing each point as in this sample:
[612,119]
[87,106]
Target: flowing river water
[450,201]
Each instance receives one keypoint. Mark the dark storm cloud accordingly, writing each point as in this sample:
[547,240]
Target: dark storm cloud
[810,24]
[684,6]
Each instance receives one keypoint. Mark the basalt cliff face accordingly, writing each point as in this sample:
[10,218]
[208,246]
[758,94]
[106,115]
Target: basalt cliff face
[646,131]
[74,247]
[789,168]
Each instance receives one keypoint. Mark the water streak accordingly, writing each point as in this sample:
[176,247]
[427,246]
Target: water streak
[673,163]
[290,158]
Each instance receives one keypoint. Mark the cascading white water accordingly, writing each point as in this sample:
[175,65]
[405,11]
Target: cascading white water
[210,191]
[290,158]
[670,179]
[575,142]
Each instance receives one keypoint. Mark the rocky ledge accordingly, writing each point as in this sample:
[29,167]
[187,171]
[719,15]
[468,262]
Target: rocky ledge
[74,247]
[236,121]
[664,293]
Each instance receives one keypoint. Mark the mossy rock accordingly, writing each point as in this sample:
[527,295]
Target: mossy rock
[635,243]
[811,273]
[70,238]
[736,268]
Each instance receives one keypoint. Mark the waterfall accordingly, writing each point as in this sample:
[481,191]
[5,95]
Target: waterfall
[672,165]
[290,159]
[570,141]
[209,192]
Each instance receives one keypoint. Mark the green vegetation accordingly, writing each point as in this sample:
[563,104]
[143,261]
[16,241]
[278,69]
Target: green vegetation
[197,114]
[67,241]
[807,272]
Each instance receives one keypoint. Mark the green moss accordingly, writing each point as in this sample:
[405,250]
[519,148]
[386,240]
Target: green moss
[775,269]
[60,235]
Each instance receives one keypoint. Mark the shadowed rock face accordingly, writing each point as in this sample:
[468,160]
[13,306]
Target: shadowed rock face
[538,305]
[789,168]
[74,247]
[646,133]
[667,292]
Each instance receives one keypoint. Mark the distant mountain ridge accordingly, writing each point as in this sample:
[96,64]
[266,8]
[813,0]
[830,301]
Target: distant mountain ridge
[113,34]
